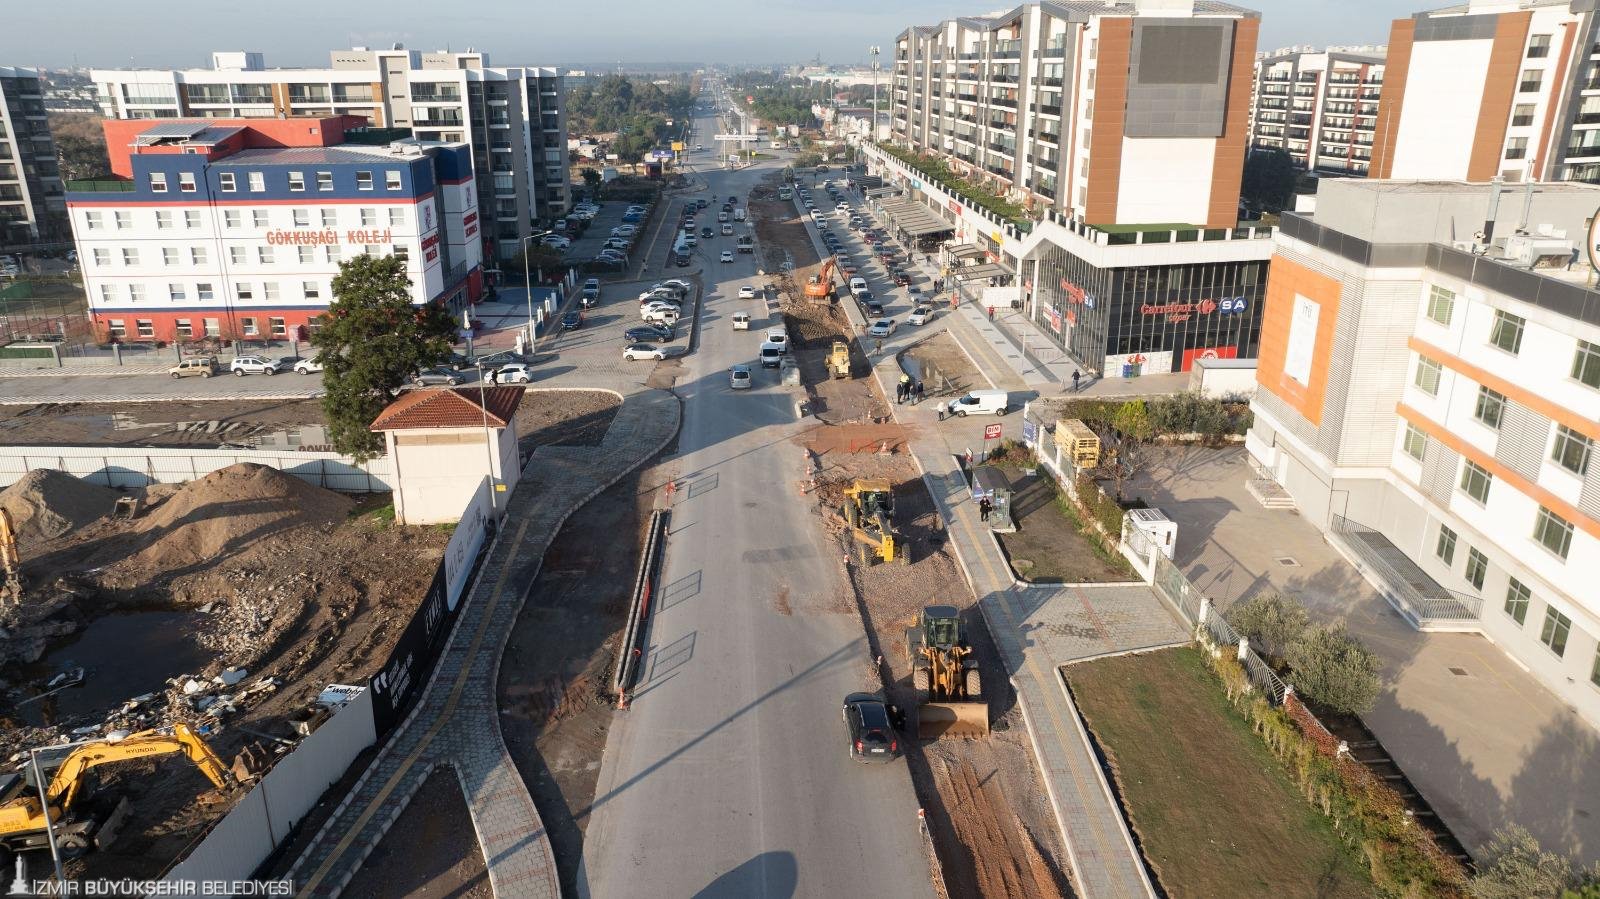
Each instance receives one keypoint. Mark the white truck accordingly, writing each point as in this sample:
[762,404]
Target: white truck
[738,214]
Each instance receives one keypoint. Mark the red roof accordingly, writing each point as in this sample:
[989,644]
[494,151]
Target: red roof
[452,407]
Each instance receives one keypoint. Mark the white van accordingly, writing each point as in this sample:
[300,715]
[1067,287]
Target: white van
[979,402]
[858,286]
[779,335]
[771,355]
[741,321]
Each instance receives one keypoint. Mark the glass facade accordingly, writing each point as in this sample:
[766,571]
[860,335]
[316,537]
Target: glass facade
[1111,318]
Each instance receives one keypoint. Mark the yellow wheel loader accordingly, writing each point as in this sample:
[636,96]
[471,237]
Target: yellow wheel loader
[869,522]
[839,360]
[950,700]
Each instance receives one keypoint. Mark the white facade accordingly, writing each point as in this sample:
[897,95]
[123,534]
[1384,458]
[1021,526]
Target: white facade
[437,470]
[1319,106]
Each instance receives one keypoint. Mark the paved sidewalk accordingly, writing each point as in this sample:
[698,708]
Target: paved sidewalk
[455,722]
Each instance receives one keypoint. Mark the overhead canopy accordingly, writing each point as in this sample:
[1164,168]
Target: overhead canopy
[975,272]
[966,251]
[914,219]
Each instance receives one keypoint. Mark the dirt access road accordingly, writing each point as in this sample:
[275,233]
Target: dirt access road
[177,423]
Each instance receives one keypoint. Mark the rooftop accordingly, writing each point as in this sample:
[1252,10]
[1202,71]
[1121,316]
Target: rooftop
[454,407]
[352,154]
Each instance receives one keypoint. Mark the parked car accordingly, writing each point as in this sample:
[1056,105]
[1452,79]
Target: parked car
[195,366]
[979,402]
[869,728]
[858,286]
[881,328]
[590,295]
[871,308]
[643,351]
[739,377]
[512,373]
[258,365]
[308,366]
[648,334]
[615,243]
[624,231]
[436,376]
[572,321]
[500,359]
[920,315]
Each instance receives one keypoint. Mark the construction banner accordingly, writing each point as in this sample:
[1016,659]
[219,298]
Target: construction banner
[399,682]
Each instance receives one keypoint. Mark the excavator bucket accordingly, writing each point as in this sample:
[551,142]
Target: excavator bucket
[936,720]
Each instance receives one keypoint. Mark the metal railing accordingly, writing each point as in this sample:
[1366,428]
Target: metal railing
[1210,627]
[1443,607]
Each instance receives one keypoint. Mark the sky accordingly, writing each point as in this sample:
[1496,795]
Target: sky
[182,33]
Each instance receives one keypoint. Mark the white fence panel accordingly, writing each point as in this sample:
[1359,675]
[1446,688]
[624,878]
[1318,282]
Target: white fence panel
[120,467]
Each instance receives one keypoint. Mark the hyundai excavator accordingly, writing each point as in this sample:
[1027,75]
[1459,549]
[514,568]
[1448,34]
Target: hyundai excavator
[869,520]
[950,701]
[820,285]
[10,560]
[77,826]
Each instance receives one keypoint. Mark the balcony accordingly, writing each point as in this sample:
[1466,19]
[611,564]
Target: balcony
[1049,137]
[1581,150]
[1003,102]
[1003,79]
[440,94]
[255,95]
[1050,81]
[1050,110]
[308,94]
[1004,149]
[967,76]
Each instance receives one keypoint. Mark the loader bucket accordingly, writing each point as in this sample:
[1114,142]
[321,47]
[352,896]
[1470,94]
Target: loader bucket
[936,720]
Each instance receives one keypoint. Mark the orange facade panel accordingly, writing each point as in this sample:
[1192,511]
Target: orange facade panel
[1391,100]
[1499,90]
[1287,283]
[1110,109]
[1227,166]
[1557,413]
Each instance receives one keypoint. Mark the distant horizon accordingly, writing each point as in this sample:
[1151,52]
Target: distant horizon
[51,36]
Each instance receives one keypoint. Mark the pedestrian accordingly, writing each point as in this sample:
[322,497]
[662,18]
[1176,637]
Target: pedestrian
[941,411]
[991,313]
[916,391]
[1075,376]
[877,345]
[927,258]
[899,394]
[984,508]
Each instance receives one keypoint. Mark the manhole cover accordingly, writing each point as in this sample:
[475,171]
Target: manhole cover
[1458,672]
[1288,561]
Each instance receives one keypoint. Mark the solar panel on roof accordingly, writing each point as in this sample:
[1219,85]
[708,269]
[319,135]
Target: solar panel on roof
[170,130]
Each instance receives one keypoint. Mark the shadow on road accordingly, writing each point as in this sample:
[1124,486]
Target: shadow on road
[771,874]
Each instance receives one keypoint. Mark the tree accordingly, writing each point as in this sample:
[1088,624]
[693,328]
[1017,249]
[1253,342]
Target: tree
[1272,621]
[1269,180]
[591,180]
[1133,420]
[1334,669]
[80,144]
[1516,867]
[371,340]
[541,258]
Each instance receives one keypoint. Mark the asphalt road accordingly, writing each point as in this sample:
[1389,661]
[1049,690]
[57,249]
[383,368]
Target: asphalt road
[730,775]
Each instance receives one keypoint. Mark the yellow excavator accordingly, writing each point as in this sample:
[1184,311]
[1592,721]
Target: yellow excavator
[10,559]
[950,701]
[820,285]
[77,826]
[869,520]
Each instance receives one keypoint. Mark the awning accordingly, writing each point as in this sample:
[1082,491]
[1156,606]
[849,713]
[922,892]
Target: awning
[966,251]
[984,271]
[876,192]
[914,219]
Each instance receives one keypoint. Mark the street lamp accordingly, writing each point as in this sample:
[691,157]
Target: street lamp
[528,286]
[488,438]
[874,51]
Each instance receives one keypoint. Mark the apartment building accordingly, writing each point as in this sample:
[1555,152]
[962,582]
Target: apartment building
[1114,112]
[1429,391]
[513,119]
[1492,88]
[32,201]
[1318,106]
[235,228]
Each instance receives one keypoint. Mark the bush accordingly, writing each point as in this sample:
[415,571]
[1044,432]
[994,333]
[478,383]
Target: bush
[1133,420]
[1102,508]
[1272,621]
[1517,867]
[1334,669]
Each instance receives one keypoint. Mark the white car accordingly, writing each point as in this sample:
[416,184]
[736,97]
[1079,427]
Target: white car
[645,351]
[559,243]
[258,365]
[727,255]
[514,373]
[739,377]
[920,315]
[624,231]
[858,286]
[883,327]
[308,366]
[650,309]
[747,292]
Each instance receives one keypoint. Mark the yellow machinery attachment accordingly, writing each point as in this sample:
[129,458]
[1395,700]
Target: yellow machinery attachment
[869,519]
[10,559]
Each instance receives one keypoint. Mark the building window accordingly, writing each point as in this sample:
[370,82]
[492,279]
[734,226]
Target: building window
[1477,568]
[197,255]
[93,221]
[260,217]
[1571,450]
[1416,442]
[269,290]
[279,327]
[169,255]
[244,291]
[324,181]
[391,179]
[163,220]
[116,328]
[333,253]
[1475,481]
[213,327]
[1445,549]
[1491,407]
[1586,364]
[397,216]
[135,293]
[297,181]
[203,291]
[330,218]
[363,180]
[311,289]
[102,257]
[130,256]
[1517,148]
[1427,379]
[186,182]
[176,293]
[302,218]
[225,181]
[191,218]
[264,254]
[238,255]
[1557,628]
[184,328]
[258,182]
[369,216]
[124,220]
[1522,115]
[308,255]
[232,218]
[1553,531]
[1517,598]
[1539,46]
[1441,304]
[372,249]
[146,327]
[400,252]
[1506,333]
[1531,79]
[158,182]
[247,324]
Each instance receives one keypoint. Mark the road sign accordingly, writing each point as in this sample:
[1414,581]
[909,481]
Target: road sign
[991,432]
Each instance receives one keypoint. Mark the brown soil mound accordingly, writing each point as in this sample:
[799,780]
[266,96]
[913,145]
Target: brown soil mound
[47,503]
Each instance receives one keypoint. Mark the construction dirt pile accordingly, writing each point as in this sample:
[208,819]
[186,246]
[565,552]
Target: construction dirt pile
[47,503]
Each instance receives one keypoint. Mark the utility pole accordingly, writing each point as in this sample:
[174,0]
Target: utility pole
[874,51]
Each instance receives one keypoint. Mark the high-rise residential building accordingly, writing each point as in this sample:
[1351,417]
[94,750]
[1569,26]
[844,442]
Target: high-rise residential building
[1115,112]
[234,229]
[1318,106]
[1492,88]
[32,201]
[1429,397]
[513,119]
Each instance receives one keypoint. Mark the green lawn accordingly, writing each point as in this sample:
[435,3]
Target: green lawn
[1215,811]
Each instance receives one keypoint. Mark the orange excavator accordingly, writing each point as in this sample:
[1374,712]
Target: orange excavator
[820,285]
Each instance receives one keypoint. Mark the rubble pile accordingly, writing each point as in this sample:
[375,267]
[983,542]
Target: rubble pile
[46,504]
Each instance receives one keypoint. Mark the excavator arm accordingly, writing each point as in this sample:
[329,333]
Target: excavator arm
[69,777]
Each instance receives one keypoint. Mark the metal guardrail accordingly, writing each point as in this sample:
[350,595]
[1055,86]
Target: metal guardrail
[632,655]
[1452,607]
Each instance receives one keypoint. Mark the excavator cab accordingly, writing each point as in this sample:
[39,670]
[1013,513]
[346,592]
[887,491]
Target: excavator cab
[869,516]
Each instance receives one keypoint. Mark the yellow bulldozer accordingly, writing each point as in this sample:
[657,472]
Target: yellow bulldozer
[839,360]
[869,522]
[80,822]
[950,701]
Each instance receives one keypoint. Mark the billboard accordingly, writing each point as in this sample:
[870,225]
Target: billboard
[1210,352]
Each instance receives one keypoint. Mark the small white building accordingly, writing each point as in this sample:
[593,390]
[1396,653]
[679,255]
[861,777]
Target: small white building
[442,442]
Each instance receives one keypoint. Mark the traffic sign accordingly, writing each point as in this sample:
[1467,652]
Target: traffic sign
[991,432]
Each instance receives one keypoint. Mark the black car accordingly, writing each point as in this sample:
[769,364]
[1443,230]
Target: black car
[708,231]
[572,321]
[870,728]
[873,308]
[648,334]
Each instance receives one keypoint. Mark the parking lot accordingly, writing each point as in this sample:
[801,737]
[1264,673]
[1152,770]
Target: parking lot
[592,240]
